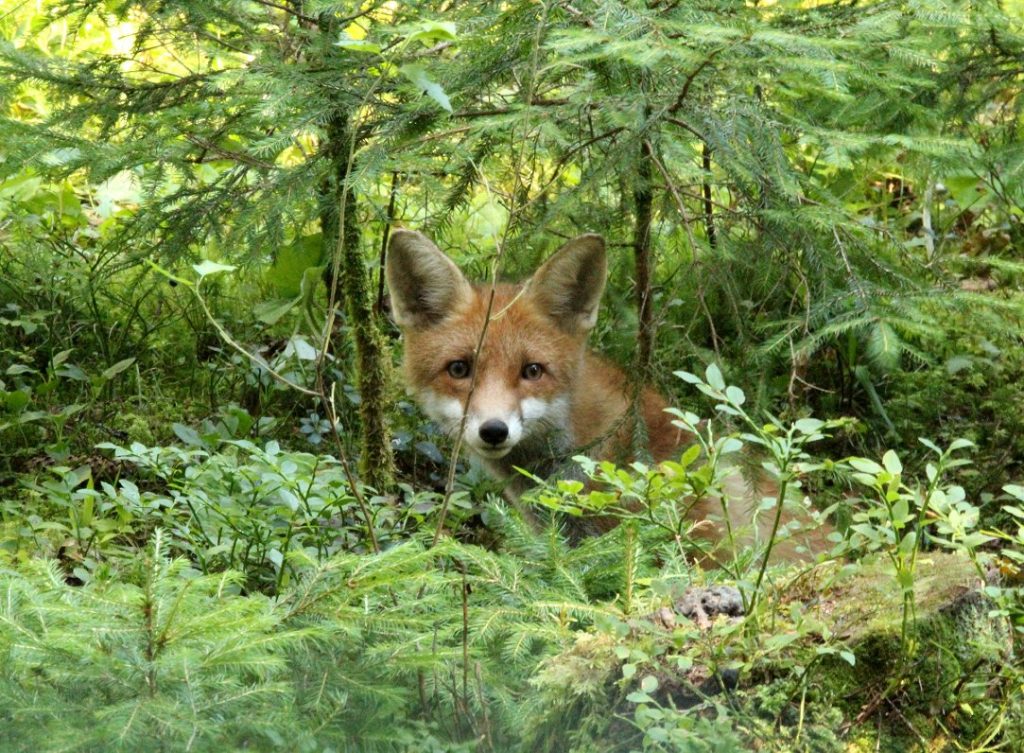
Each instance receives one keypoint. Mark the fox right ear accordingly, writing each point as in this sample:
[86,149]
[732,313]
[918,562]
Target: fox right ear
[425,284]
[568,286]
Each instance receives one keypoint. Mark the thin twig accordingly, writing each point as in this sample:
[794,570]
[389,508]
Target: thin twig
[709,215]
[290,11]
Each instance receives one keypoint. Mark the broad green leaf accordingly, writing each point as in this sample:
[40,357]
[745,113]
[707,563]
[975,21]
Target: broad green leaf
[118,190]
[61,357]
[735,395]
[418,76]
[358,45]
[809,425]
[900,511]
[15,401]
[270,312]
[428,32]
[884,347]
[208,267]
[713,376]
[1015,490]
[117,368]
[957,364]
[865,466]
[892,462]
[72,371]
[291,263]
[300,348]
[188,435]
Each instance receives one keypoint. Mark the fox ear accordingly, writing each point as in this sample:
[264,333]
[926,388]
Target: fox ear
[568,286]
[425,284]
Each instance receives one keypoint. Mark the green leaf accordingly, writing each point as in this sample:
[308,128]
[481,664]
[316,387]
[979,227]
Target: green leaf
[865,466]
[809,425]
[188,435]
[960,444]
[117,368]
[639,697]
[270,312]
[123,188]
[687,377]
[418,76]
[957,364]
[892,462]
[884,347]
[208,267]
[292,262]
[15,401]
[649,684]
[1014,490]
[428,32]
[713,376]
[358,45]
[72,371]
[735,395]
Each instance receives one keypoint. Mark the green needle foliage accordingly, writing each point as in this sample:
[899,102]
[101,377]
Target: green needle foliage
[742,154]
[823,201]
[165,660]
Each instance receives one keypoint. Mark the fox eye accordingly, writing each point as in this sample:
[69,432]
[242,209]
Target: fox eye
[458,369]
[533,371]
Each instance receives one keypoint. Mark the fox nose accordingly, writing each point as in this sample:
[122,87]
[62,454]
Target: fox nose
[494,431]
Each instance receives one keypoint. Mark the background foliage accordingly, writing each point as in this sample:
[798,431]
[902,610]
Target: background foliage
[203,435]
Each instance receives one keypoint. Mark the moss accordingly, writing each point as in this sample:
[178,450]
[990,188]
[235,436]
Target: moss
[907,691]
[929,692]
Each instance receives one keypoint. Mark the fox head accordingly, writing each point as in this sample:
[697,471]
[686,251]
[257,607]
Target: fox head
[532,345]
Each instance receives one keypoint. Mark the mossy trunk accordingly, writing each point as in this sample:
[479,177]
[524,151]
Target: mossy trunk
[353,290]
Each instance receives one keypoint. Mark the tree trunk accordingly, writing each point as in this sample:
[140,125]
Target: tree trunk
[354,291]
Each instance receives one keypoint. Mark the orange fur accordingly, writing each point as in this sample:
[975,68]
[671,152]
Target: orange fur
[579,402]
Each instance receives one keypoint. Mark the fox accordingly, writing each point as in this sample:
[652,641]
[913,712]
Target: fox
[514,374]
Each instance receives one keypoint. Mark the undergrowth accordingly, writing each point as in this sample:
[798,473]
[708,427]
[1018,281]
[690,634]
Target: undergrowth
[226,599]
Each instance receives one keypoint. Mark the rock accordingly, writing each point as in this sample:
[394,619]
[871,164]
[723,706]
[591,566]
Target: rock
[703,604]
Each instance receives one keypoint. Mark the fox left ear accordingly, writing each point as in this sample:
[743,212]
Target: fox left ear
[568,286]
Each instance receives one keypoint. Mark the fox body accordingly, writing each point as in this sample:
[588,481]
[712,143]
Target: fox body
[509,367]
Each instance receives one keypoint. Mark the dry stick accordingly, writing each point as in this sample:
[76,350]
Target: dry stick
[642,256]
[235,345]
[449,484]
[693,245]
[346,467]
[465,637]
[384,242]
[286,9]
[450,480]
[696,72]
[709,216]
[487,735]
[514,213]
